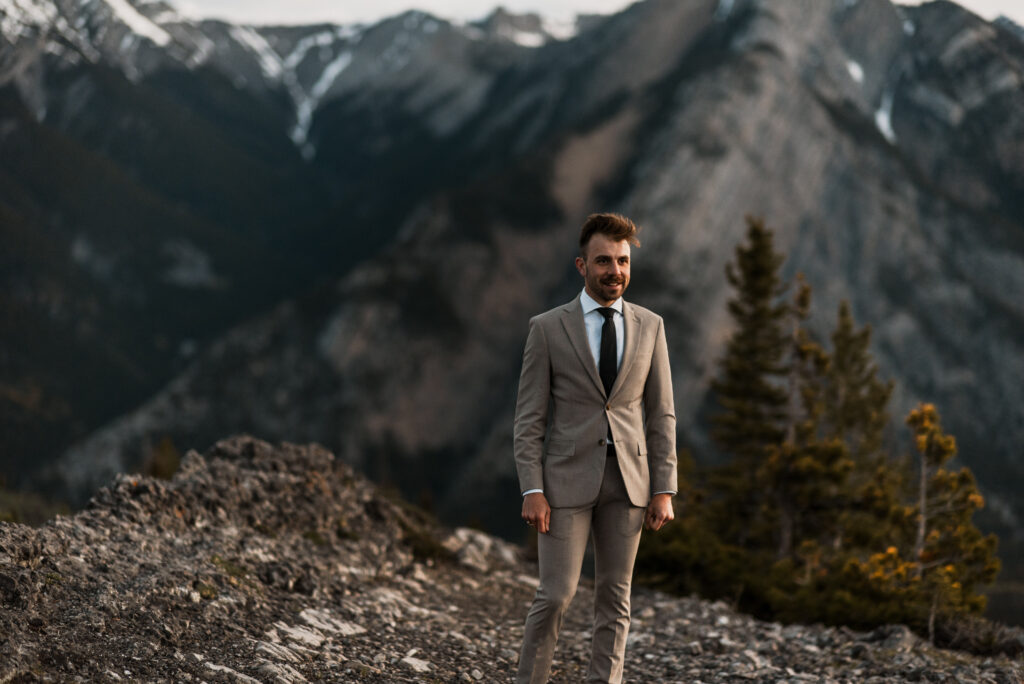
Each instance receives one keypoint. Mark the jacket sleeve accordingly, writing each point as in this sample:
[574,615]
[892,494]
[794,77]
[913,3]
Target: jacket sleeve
[532,409]
[660,418]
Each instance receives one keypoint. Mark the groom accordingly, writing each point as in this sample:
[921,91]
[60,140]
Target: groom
[594,447]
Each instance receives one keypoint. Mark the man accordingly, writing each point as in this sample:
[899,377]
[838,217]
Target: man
[594,447]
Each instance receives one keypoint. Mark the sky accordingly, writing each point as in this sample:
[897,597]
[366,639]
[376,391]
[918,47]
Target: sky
[349,11]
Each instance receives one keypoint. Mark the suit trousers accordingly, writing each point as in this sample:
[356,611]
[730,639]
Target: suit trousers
[615,525]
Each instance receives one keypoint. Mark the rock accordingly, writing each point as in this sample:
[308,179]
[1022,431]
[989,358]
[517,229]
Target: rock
[896,637]
[323,621]
[238,676]
[415,664]
[247,507]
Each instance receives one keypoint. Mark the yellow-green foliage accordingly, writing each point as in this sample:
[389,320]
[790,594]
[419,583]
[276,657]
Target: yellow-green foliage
[953,558]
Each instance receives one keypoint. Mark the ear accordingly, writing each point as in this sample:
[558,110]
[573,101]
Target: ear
[581,266]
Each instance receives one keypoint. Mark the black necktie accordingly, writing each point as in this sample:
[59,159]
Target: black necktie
[608,365]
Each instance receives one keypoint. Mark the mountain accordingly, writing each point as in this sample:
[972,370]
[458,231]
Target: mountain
[877,139]
[1010,25]
[144,198]
[263,562]
[881,142]
[162,180]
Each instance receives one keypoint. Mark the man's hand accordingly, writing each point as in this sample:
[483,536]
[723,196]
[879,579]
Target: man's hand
[536,511]
[659,512]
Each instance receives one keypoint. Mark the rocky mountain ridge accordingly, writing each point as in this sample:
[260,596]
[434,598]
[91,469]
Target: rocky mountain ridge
[260,563]
[309,64]
[164,179]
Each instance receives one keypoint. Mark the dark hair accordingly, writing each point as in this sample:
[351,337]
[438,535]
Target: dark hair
[615,226]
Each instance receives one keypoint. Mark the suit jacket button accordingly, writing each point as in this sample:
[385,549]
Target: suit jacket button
[602,442]
[607,407]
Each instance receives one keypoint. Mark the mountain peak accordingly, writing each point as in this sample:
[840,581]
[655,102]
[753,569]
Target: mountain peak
[1010,25]
[528,29]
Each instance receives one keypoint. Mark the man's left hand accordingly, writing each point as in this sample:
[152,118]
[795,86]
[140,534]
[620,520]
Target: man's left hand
[659,512]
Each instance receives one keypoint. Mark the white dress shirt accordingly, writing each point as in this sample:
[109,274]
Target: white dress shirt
[594,320]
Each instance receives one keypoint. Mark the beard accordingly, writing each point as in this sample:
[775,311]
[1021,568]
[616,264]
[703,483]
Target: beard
[606,287]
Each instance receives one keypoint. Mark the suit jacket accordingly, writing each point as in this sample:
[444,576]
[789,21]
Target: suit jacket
[563,415]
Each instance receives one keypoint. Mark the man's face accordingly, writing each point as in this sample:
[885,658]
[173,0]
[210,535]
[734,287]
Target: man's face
[605,268]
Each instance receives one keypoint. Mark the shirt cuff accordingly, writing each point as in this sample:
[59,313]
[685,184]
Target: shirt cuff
[665,492]
[533,491]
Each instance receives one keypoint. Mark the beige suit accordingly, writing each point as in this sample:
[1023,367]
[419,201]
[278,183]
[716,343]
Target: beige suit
[562,424]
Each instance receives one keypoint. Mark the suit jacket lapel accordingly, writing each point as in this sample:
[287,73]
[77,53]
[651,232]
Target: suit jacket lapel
[576,329]
[631,341]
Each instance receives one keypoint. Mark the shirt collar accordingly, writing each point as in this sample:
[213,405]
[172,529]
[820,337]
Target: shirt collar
[588,303]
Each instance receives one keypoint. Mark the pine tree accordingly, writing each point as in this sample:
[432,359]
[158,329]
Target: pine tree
[810,521]
[855,398]
[953,557]
[751,386]
[854,404]
[806,475]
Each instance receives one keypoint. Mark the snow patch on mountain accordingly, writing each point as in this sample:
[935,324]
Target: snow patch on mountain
[138,23]
[306,103]
[525,30]
[166,16]
[856,71]
[526,38]
[269,61]
[560,29]
[330,75]
[25,17]
[204,47]
[322,39]
[883,117]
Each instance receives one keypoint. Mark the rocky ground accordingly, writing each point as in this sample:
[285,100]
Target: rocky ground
[262,563]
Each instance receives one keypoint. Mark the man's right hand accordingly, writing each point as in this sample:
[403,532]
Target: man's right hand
[536,511]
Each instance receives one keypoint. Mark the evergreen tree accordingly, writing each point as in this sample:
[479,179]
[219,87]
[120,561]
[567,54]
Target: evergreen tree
[855,398]
[805,475]
[854,411]
[811,520]
[953,557]
[751,386]
[929,575]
